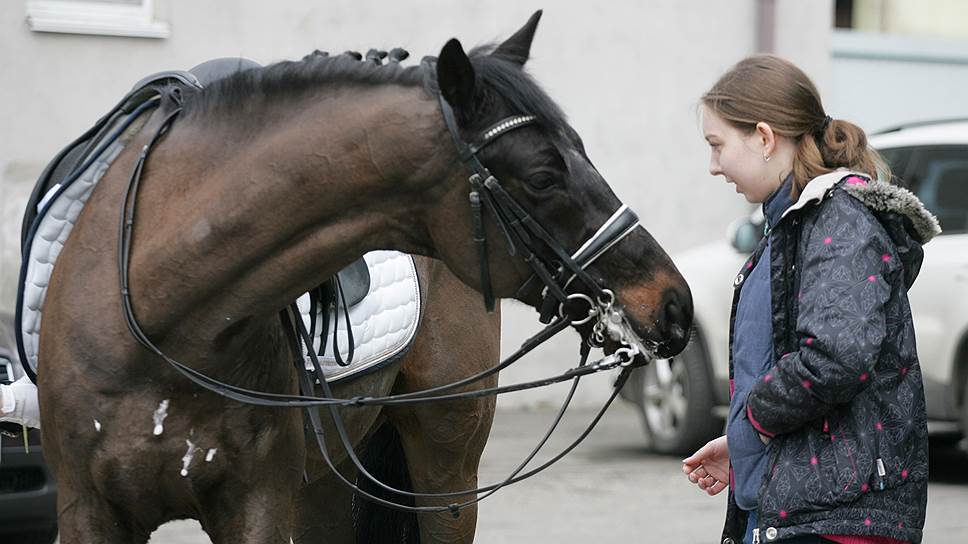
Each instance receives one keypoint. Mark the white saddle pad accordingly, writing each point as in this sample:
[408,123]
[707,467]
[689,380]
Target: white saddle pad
[57,222]
[384,323]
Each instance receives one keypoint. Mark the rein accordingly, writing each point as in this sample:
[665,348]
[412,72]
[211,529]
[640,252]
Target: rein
[521,230]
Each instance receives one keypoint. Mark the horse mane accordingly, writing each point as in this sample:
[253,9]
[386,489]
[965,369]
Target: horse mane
[292,80]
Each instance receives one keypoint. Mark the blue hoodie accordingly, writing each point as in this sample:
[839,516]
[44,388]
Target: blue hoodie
[753,357]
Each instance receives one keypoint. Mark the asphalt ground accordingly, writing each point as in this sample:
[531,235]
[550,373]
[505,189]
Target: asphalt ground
[611,490]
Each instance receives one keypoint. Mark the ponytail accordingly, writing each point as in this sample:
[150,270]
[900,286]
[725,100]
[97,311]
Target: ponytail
[839,144]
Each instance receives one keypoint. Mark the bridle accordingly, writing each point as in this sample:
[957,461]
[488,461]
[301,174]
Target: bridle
[522,233]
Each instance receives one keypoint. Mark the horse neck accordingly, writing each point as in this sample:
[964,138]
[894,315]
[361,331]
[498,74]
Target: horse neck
[235,225]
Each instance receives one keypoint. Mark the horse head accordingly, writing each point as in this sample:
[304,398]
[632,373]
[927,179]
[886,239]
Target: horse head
[525,155]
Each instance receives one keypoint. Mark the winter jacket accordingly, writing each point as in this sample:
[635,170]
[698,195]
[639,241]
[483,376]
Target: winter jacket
[844,403]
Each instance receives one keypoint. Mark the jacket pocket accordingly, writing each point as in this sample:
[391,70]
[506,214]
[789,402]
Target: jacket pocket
[853,459]
[799,478]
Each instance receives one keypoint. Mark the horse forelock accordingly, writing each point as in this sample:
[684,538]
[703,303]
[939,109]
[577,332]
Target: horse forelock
[512,83]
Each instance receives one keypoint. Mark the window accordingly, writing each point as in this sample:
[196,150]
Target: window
[843,13]
[134,18]
[939,176]
[898,159]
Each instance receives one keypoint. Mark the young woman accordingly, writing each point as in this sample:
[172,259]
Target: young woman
[826,439]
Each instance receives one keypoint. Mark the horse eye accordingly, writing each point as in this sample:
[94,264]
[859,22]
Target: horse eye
[541,181]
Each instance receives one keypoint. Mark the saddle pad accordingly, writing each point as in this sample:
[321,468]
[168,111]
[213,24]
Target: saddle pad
[56,223]
[384,322]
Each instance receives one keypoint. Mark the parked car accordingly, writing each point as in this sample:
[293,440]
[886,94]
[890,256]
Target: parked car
[684,400]
[28,493]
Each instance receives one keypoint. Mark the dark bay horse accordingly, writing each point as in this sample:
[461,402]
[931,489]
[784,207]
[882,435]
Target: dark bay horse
[267,184]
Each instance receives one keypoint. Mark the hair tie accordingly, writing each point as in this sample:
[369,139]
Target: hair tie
[823,127]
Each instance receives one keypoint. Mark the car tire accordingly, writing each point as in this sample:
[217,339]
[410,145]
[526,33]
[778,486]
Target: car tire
[676,398]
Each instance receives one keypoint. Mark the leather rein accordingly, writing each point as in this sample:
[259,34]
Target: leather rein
[521,231]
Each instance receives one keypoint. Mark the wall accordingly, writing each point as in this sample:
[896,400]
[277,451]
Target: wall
[882,80]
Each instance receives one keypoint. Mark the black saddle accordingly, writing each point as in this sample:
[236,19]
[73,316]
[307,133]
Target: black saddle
[354,279]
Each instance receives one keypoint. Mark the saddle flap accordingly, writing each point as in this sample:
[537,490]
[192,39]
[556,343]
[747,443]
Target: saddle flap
[355,282]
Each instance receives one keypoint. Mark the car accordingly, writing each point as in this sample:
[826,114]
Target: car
[684,400]
[28,492]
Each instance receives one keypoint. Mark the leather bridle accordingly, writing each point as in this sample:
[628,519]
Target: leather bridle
[520,229]
[522,232]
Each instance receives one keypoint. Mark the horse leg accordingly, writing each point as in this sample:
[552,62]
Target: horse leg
[324,509]
[443,441]
[252,503]
[242,516]
[443,447]
[85,517]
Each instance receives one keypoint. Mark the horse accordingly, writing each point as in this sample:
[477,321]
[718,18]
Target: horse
[261,187]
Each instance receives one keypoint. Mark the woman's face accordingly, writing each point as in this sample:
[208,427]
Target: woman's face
[740,157]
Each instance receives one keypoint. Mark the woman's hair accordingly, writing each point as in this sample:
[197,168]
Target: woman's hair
[766,88]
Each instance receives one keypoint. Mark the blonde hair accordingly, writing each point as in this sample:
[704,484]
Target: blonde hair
[769,89]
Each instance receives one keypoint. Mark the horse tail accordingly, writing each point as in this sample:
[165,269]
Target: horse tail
[384,459]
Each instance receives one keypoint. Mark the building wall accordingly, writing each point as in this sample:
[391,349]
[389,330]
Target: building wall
[629,74]
[882,80]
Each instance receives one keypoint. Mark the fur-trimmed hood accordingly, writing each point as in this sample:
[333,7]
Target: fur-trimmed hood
[900,211]
[879,196]
[885,197]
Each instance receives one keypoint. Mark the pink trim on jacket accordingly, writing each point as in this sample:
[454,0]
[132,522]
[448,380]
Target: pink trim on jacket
[759,428]
[855,539]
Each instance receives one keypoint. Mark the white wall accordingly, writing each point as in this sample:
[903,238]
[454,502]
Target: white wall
[882,80]
[629,74]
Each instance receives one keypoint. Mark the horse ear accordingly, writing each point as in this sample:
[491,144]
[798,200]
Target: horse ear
[455,76]
[517,48]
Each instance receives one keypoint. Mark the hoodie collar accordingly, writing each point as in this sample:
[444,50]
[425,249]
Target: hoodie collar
[778,202]
[876,195]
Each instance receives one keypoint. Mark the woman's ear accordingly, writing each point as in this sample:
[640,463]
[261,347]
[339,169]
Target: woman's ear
[765,138]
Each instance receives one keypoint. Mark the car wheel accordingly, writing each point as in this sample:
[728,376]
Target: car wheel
[676,399]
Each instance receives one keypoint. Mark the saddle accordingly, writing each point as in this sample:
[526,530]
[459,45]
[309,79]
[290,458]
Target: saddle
[354,279]
[86,159]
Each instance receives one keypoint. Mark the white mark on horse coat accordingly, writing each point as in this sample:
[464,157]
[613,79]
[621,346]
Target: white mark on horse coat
[201,230]
[210,455]
[160,414]
[187,458]
[97,425]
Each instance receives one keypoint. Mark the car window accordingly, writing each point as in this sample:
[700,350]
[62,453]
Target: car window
[898,158]
[939,176]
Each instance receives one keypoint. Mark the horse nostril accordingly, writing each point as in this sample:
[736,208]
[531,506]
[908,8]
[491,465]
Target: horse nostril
[676,316]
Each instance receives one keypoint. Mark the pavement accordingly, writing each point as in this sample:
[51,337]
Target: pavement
[612,490]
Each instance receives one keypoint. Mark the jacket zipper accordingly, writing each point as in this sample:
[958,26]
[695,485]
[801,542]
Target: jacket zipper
[756,536]
[881,472]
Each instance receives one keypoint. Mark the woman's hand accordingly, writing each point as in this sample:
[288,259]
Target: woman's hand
[709,466]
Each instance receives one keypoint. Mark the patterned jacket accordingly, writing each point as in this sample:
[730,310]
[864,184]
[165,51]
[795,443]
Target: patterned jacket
[844,403]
